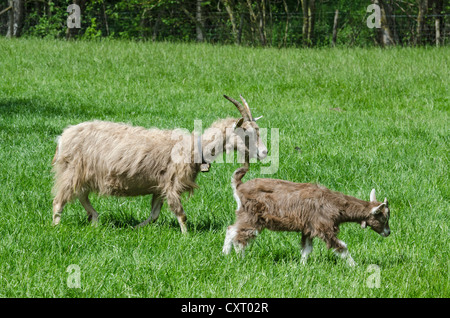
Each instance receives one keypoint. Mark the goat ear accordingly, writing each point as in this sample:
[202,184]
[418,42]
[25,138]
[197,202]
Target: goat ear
[238,123]
[363,224]
[378,209]
[372,196]
[255,119]
[386,202]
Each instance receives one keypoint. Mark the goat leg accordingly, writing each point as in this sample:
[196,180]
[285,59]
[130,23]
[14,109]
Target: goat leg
[157,203]
[341,250]
[229,239]
[307,247]
[92,214]
[174,203]
[58,206]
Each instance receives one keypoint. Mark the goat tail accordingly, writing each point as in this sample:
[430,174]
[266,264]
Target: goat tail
[236,180]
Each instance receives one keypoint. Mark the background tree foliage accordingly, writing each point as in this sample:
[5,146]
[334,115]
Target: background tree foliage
[276,23]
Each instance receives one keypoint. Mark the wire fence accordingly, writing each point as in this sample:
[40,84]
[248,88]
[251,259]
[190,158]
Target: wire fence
[280,29]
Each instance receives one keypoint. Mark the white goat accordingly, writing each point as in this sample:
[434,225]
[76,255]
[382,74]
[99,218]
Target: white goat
[121,160]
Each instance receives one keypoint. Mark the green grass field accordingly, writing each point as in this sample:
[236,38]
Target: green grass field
[390,132]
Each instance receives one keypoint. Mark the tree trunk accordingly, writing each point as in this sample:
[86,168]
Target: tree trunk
[311,20]
[106,18]
[437,11]
[437,26]
[308,9]
[156,26]
[286,29]
[387,35]
[195,20]
[9,33]
[241,26]
[335,24]
[305,24]
[254,19]
[229,7]
[15,18]
[199,26]
[422,6]
[262,22]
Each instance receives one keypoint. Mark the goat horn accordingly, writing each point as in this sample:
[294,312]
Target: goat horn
[239,107]
[247,108]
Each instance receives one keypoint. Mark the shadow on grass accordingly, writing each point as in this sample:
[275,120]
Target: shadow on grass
[206,225]
[65,108]
[120,219]
[280,256]
[31,106]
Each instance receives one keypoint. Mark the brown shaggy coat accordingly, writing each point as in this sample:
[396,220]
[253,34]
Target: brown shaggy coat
[314,210]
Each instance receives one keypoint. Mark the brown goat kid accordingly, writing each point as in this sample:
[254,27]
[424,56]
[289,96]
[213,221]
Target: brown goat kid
[314,210]
[121,160]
